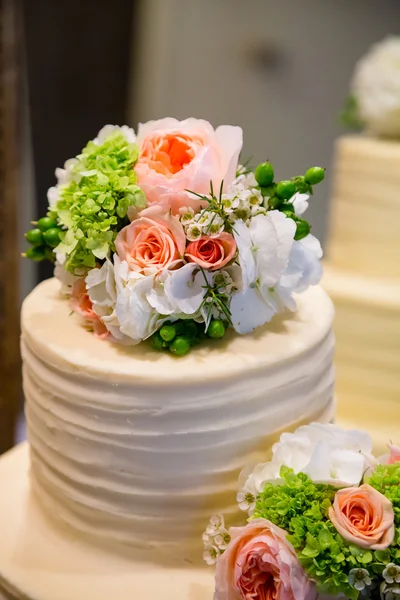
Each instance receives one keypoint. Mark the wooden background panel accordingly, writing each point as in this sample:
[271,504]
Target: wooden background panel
[10,378]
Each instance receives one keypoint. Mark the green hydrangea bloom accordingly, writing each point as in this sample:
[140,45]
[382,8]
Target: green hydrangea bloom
[93,205]
[386,479]
[301,507]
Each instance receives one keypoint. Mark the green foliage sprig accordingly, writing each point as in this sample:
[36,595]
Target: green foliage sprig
[350,116]
[301,507]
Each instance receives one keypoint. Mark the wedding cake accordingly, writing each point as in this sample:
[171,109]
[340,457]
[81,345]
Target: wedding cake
[362,274]
[183,333]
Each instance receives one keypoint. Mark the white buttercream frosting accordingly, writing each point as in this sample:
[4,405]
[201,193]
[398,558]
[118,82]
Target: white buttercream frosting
[139,448]
[364,238]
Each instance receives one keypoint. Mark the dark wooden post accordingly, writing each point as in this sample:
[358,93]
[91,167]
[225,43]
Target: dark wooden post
[10,386]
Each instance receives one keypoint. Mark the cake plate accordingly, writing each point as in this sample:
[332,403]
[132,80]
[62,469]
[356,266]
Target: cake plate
[41,561]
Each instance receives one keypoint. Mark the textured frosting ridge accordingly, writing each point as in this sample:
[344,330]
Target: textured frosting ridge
[366,207]
[137,448]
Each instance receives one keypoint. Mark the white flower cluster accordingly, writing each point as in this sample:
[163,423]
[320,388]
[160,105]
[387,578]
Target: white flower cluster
[206,222]
[243,199]
[376,88]
[216,539]
[326,453]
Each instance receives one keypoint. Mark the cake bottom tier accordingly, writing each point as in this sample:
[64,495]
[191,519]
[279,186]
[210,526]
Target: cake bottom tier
[41,561]
[367,330]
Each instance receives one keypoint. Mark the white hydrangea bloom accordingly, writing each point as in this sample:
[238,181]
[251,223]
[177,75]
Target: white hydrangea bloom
[109,129]
[264,249]
[300,203]
[376,87]
[66,278]
[326,453]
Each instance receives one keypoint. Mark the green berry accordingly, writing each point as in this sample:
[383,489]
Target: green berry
[168,332]
[314,175]
[49,254]
[285,189]
[36,253]
[190,329]
[216,329]
[274,202]
[302,229]
[34,237]
[268,191]
[290,214]
[52,237]
[180,345]
[264,174]
[287,207]
[301,185]
[46,223]
[157,342]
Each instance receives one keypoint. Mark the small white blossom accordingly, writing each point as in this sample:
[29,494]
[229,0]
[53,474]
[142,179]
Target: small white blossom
[216,523]
[222,539]
[246,501]
[359,579]
[391,573]
[186,215]
[194,232]
[223,281]
[211,554]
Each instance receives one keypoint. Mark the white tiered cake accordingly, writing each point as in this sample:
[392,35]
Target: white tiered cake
[362,276]
[132,450]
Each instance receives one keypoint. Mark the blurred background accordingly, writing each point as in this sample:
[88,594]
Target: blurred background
[278,68]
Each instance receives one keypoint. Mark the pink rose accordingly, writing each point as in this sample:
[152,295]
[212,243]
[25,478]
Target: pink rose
[212,252]
[394,456]
[82,304]
[259,564]
[151,242]
[185,155]
[364,517]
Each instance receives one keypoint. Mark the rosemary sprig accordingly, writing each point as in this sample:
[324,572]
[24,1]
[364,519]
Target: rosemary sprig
[214,204]
[217,298]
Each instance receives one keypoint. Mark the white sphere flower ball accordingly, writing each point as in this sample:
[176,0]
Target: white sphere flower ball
[376,88]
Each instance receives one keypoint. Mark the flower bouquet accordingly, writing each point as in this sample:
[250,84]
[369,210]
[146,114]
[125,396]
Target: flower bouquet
[323,518]
[165,236]
[374,101]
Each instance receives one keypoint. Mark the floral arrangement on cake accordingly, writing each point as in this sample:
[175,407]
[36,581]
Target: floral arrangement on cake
[374,101]
[163,235]
[323,518]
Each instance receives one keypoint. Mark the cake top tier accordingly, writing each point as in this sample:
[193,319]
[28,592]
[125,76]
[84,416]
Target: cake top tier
[366,208]
[163,235]
[57,337]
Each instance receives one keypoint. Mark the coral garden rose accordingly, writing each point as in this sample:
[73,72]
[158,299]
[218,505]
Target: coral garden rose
[212,252]
[152,242]
[363,516]
[176,156]
[394,456]
[259,564]
[82,304]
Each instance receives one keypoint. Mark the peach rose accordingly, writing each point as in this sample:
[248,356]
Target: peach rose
[394,456]
[259,564]
[151,242]
[212,252]
[364,517]
[185,155]
[82,305]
